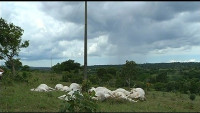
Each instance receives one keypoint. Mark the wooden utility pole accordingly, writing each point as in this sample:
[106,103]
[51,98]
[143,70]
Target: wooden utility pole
[85,44]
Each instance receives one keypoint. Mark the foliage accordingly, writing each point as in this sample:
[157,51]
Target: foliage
[25,68]
[11,41]
[93,79]
[162,77]
[66,66]
[129,72]
[86,85]
[159,86]
[192,97]
[23,77]
[17,64]
[72,77]
[79,103]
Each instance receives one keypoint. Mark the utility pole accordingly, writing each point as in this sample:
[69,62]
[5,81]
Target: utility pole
[85,44]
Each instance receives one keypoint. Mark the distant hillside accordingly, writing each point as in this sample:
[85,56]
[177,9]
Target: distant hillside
[40,68]
[145,65]
[155,65]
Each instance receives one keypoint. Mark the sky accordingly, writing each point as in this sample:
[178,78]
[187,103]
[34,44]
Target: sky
[144,32]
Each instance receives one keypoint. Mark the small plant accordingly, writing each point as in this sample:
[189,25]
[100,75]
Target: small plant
[86,84]
[79,103]
[192,97]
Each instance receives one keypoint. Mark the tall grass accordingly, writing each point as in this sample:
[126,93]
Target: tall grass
[19,98]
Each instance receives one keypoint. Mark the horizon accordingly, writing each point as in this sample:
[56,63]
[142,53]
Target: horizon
[123,64]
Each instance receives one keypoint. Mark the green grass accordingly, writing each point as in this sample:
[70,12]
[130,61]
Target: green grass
[19,98]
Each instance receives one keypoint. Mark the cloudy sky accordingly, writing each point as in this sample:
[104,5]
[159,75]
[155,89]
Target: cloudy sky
[145,32]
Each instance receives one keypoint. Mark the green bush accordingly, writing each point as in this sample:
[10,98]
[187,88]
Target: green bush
[79,103]
[86,84]
[66,76]
[76,78]
[7,80]
[93,79]
[140,84]
[192,97]
[72,77]
[112,82]
[171,86]
[159,86]
[23,77]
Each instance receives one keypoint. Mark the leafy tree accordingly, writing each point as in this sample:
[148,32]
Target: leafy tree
[11,42]
[162,77]
[66,66]
[112,71]
[17,64]
[101,72]
[25,68]
[129,71]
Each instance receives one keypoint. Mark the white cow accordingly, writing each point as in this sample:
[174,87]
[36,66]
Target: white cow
[123,91]
[121,95]
[137,93]
[66,88]
[99,95]
[59,87]
[75,87]
[42,88]
[101,90]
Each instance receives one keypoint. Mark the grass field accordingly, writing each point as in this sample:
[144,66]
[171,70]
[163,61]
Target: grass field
[17,97]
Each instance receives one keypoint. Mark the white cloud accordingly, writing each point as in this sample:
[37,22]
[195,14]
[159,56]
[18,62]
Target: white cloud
[99,46]
[190,60]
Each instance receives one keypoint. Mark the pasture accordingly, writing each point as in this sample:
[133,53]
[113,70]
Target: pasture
[17,97]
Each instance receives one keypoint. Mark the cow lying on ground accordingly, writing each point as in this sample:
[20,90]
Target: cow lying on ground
[42,88]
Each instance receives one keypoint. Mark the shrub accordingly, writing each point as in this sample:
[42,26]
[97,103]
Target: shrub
[192,97]
[23,77]
[159,86]
[79,103]
[66,76]
[7,80]
[86,84]
[93,79]
[76,78]
[140,84]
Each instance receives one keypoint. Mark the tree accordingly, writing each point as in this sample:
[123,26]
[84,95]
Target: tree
[162,77]
[11,42]
[26,68]
[17,64]
[66,66]
[129,71]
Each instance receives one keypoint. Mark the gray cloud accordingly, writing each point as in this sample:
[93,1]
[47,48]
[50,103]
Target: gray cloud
[65,11]
[131,28]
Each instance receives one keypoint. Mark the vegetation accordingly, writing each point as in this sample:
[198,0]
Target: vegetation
[11,42]
[81,103]
[66,66]
[18,98]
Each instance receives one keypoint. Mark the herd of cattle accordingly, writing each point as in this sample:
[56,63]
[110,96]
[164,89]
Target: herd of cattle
[101,93]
